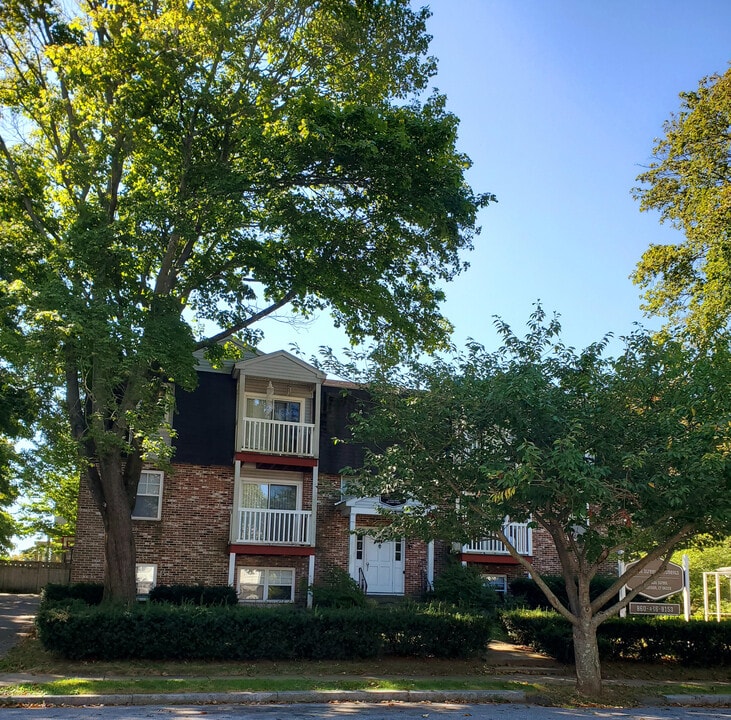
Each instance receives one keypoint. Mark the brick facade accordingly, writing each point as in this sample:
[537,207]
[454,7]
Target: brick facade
[189,543]
[192,541]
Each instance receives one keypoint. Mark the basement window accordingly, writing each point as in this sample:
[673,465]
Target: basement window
[266,584]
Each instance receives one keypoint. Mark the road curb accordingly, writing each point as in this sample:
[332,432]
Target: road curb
[273,698]
[720,700]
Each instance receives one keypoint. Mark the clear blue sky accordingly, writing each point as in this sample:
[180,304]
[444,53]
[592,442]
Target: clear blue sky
[560,103]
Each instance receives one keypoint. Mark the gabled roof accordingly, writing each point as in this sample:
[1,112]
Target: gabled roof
[279,364]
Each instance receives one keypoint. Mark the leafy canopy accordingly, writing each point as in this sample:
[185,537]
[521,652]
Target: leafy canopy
[172,172]
[603,453]
[689,183]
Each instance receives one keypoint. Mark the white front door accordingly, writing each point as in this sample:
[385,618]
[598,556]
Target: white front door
[383,566]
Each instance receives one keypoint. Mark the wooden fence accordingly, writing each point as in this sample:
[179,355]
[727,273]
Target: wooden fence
[31,577]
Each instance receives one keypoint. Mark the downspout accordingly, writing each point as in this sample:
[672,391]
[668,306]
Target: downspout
[310,580]
[430,563]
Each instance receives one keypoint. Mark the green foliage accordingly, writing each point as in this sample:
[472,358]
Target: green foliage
[18,406]
[194,594]
[172,165]
[688,182]
[337,590]
[89,593]
[527,593]
[706,554]
[163,631]
[464,587]
[604,454]
[641,639]
[546,632]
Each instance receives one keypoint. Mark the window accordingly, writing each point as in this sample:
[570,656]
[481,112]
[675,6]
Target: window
[269,496]
[499,583]
[146,577]
[271,409]
[149,496]
[266,584]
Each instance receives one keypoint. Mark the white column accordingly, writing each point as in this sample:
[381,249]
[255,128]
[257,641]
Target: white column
[705,596]
[310,579]
[234,529]
[686,587]
[240,411]
[313,520]
[430,563]
[232,569]
[352,540]
[623,589]
[718,597]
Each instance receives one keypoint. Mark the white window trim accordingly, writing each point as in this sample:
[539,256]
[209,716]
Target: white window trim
[159,497]
[286,398]
[266,570]
[154,576]
[267,481]
[490,578]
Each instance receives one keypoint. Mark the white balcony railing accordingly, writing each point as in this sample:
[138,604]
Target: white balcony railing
[519,534]
[274,527]
[279,437]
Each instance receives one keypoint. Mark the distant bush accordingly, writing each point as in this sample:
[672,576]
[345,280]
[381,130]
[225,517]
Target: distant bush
[194,594]
[337,590]
[90,593]
[643,639]
[464,587]
[162,631]
[526,591]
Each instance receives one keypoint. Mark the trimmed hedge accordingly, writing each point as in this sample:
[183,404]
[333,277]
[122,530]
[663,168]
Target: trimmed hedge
[526,591]
[642,639]
[90,593]
[194,594]
[168,632]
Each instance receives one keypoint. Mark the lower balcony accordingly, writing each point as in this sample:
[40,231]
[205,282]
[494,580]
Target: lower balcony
[519,534]
[274,527]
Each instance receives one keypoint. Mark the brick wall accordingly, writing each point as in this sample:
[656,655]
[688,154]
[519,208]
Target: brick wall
[190,541]
[333,533]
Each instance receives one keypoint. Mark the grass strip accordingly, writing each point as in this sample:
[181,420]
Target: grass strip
[85,686]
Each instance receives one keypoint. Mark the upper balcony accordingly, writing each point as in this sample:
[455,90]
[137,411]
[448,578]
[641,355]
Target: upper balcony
[278,406]
[280,437]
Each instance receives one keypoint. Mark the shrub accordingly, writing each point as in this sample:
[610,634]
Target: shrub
[527,592]
[163,631]
[643,639]
[464,587]
[194,594]
[337,590]
[90,593]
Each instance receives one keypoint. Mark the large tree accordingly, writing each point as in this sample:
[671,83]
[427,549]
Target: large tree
[630,454]
[167,164]
[689,183]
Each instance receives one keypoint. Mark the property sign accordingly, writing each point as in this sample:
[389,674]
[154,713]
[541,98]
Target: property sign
[640,608]
[663,584]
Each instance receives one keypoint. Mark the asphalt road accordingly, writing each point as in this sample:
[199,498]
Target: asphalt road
[16,618]
[363,711]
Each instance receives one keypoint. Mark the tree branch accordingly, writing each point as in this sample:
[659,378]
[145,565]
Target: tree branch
[218,337]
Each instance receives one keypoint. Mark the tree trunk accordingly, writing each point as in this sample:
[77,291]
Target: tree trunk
[586,654]
[120,581]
